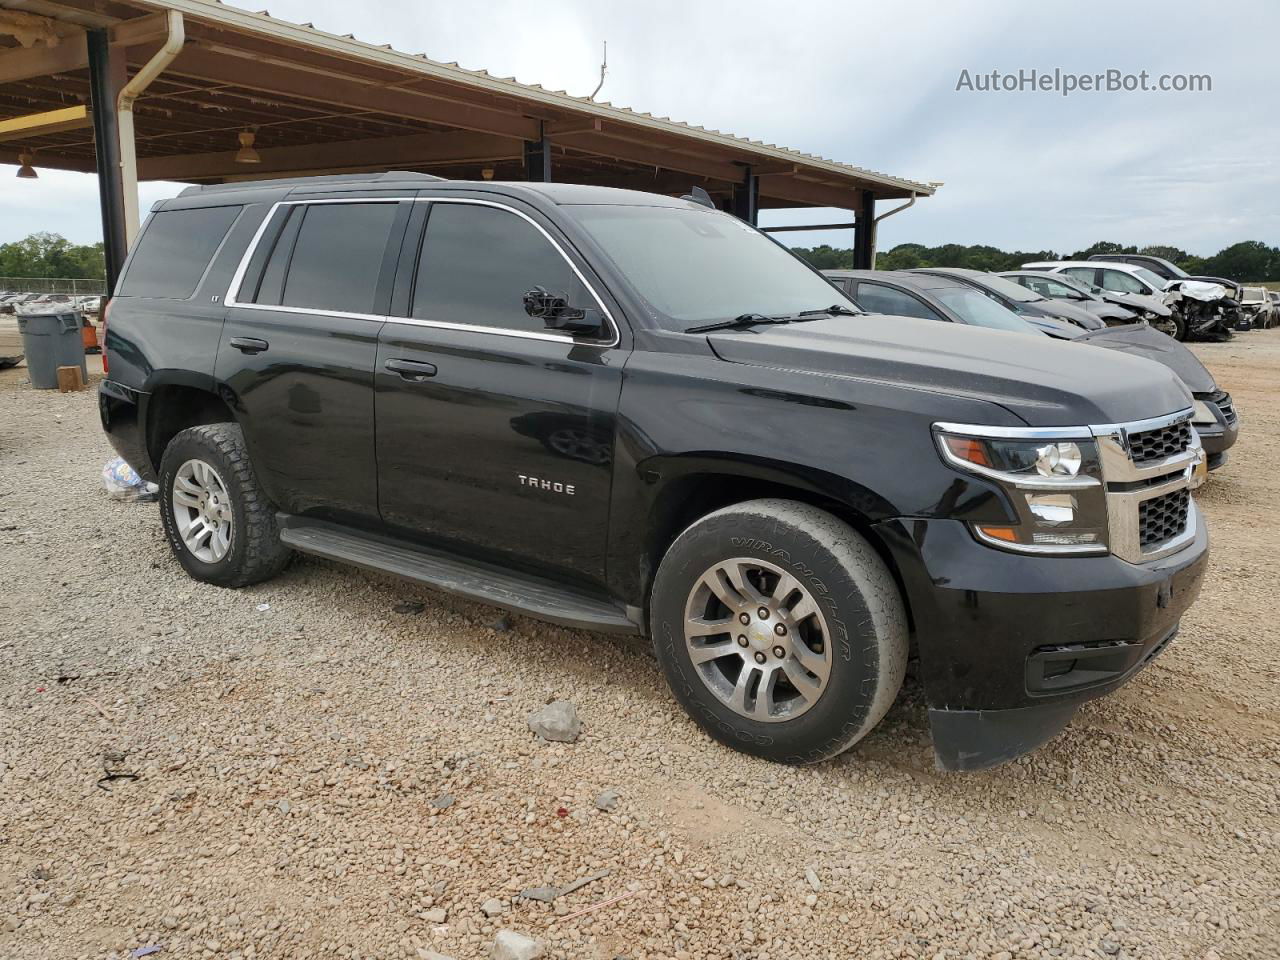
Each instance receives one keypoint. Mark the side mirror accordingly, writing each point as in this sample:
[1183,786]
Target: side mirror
[556,314]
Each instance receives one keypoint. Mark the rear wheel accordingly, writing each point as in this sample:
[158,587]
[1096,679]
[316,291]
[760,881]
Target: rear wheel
[780,630]
[1172,325]
[218,521]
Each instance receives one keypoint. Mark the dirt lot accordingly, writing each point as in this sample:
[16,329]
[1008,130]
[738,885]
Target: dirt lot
[296,763]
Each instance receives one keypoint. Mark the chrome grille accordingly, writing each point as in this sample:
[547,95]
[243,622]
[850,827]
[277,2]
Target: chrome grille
[1161,443]
[1163,518]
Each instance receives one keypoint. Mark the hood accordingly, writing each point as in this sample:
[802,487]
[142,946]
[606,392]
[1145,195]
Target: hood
[1199,290]
[1141,340]
[1060,310]
[1113,311]
[1136,301]
[1044,382]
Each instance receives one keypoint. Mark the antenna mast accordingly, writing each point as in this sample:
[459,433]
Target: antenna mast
[604,67]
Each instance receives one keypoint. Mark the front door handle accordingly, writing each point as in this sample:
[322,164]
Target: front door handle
[249,345]
[415,371]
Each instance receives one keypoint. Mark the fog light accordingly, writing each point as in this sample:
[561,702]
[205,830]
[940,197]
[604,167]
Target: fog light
[1052,508]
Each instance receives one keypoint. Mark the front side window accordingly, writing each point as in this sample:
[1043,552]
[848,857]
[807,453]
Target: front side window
[693,265]
[175,250]
[478,262]
[877,298]
[1154,280]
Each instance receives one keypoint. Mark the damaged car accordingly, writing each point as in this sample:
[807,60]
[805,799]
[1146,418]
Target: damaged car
[1114,307]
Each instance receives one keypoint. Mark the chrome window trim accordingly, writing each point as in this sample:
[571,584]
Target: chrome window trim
[238,278]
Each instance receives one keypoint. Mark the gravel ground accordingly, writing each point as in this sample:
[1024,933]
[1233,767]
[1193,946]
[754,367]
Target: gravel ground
[331,777]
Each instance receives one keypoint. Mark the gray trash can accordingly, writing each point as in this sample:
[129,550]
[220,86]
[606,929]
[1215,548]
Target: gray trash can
[51,340]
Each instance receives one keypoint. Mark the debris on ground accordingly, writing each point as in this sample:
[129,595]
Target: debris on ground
[493,907]
[556,722]
[443,802]
[409,606]
[549,894]
[122,482]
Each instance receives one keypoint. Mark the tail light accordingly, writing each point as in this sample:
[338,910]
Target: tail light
[106,309]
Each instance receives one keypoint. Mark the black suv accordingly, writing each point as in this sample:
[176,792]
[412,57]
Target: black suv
[626,412]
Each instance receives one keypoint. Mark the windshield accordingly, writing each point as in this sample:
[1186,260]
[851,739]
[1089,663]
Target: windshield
[980,310]
[1151,278]
[696,266]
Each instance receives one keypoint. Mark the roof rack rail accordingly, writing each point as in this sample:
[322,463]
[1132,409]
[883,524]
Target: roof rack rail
[306,181]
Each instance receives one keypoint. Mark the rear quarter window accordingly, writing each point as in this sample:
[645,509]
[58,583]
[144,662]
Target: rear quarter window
[175,250]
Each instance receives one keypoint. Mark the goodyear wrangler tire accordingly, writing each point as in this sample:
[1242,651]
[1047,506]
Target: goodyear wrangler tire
[218,521]
[780,630]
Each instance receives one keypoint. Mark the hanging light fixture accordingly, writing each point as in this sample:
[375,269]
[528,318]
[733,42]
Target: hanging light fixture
[246,153]
[487,173]
[26,171]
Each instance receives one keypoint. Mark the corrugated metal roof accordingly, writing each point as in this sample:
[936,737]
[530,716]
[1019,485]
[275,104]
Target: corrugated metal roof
[236,18]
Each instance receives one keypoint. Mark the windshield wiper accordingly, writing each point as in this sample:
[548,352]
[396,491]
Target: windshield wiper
[744,320]
[835,310]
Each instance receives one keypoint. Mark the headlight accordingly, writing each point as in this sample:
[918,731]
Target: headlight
[1203,414]
[1054,485]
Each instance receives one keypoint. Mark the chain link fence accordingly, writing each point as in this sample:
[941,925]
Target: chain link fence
[79,287]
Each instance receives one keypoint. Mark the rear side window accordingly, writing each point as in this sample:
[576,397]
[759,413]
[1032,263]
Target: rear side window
[175,250]
[478,262]
[334,262]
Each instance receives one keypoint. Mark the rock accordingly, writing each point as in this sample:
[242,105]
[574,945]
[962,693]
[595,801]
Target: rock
[425,954]
[493,908]
[1110,947]
[443,802]
[501,625]
[607,800]
[556,722]
[509,945]
[811,878]
[410,606]
[438,915]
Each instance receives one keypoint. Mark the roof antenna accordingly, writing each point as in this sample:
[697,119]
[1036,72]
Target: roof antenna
[604,67]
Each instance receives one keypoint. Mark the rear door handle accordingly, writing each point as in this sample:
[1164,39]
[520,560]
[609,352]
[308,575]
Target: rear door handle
[249,345]
[414,371]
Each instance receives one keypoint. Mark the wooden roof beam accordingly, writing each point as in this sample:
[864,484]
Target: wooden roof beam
[384,153]
[224,65]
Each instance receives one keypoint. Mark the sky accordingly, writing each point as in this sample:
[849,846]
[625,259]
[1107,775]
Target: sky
[875,84]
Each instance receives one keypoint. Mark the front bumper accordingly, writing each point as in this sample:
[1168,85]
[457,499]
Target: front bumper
[1011,645]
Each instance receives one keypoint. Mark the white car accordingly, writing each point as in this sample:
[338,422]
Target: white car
[1118,277]
[1256,305]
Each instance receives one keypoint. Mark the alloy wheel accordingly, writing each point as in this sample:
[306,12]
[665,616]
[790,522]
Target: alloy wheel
[202,511]
[757,640]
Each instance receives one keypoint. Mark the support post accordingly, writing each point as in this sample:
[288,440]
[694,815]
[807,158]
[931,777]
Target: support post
[537,157]
[864,232]
[746,198]
[106,77]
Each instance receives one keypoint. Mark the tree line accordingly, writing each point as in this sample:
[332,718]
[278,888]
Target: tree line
[1247,262]
[51,256]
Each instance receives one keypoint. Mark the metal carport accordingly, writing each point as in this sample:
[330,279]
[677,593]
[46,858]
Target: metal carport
[202,92]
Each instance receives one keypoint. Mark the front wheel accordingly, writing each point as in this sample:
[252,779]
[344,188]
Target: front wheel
[780,630]
[1172,325]
[218,521]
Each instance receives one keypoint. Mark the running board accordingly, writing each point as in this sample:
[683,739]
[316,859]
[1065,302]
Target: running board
[463,577]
